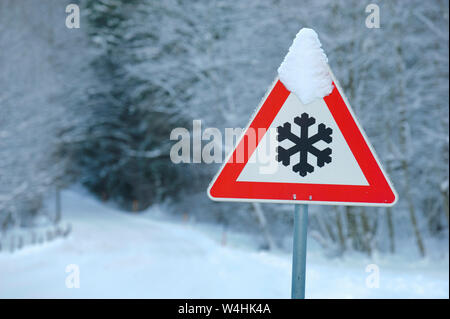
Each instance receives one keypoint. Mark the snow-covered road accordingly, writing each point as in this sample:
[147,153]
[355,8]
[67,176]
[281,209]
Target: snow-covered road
[120,255]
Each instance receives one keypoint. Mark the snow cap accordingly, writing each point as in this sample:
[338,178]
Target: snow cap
[304,70]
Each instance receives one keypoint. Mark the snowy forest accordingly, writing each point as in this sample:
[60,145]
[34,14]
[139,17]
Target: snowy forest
[92,109]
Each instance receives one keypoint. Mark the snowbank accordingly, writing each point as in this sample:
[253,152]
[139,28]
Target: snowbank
[304,70]
[123,255]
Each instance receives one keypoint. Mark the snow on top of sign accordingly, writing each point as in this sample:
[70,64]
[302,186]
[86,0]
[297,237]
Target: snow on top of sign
[304,70]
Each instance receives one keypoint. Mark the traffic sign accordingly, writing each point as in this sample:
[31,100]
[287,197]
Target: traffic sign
[315,153]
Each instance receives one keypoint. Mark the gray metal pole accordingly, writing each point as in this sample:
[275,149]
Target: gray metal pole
[299,252]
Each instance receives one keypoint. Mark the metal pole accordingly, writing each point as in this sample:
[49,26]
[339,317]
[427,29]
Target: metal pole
[299,252]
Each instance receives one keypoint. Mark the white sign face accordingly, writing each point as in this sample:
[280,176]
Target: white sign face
[342,170]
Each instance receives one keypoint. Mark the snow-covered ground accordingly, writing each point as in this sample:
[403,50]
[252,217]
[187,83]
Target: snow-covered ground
[121,255]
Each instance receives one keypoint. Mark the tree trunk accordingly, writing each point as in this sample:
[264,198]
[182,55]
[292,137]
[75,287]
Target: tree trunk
[57,205]
[391,230]
[263,224]
[445,197]
[340,230]
[367,233]
[403,143]
[352,231]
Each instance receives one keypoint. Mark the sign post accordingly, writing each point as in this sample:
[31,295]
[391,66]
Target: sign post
[299,252]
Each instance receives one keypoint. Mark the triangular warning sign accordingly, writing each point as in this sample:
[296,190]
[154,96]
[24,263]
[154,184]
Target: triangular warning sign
[312,153]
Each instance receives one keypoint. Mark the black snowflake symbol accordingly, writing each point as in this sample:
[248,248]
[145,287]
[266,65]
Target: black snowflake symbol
[304,144]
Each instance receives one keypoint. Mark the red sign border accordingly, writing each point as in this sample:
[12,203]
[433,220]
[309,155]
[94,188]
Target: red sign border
[379,192]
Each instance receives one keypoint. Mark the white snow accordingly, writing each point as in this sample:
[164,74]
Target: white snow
[123,255]
[304,70]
